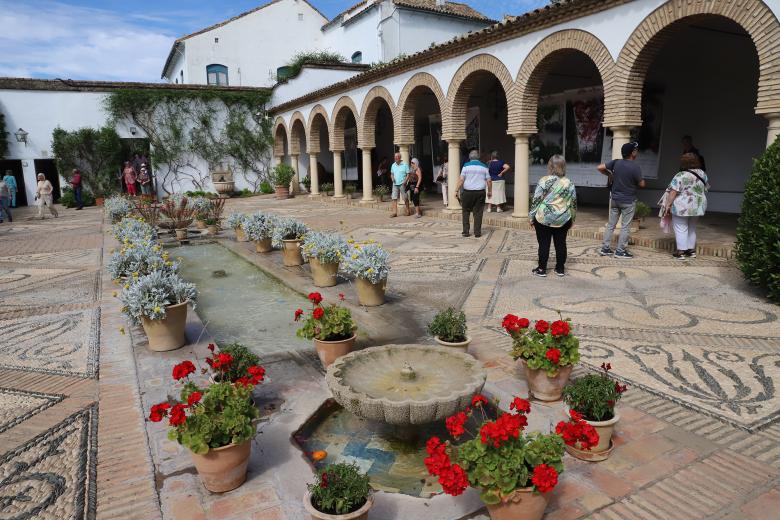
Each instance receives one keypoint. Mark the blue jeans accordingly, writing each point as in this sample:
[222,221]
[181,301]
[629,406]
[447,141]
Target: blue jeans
[626,213]
[5,207]
[77,194]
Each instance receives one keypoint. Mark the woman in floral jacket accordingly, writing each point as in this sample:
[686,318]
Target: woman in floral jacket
[686,199]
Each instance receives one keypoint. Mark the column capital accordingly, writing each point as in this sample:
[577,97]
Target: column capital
[366,149]
[336,150]
[453,142]
[521,135]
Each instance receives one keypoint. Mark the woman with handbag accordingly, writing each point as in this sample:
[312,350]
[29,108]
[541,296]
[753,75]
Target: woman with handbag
[686,201]
[44,194]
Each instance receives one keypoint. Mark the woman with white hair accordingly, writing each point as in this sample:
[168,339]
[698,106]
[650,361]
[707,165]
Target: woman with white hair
[553,209]
[44,195]
[414,185]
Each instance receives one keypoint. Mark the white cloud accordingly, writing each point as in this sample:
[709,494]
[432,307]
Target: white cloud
[44,38]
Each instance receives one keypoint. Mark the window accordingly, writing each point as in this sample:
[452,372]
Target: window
[357,57]
[181,76]
[216,40]
[217,75]
[300,17]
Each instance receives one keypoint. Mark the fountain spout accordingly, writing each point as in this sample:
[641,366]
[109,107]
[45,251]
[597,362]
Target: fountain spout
[407,372]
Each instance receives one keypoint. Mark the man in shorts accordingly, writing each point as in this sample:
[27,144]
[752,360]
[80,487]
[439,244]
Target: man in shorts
[399,171]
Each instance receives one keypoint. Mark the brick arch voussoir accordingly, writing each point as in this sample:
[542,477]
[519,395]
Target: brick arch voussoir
[338,122]
[367,122]
[542,58]
[281,136]
[404,120]
[454,110]
[754,16]
[297,134]
[317,117]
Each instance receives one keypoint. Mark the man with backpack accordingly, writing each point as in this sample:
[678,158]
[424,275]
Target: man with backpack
[625,179]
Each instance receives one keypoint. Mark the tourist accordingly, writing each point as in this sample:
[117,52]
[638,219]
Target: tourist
[686,200]
[687,144]
[553,209]
[129,176]
[5,201]
[475,182]
[398,171]
[497,169]
[137,163]
[75,182]
[625,179]
[44,194]
[10,181]
[145,180]
[414,185]
[381,173]
[441,178]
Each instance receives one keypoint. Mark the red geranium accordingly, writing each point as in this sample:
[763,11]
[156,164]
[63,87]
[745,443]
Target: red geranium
[559,328]
[576,432]
[554,355]
[479,400]
[542,327]
[453,480]
[315,298]
[178,416]
[318,313]
[194,398]
[183,369]
[502,429]
[257,372]
[341,296]
[221,360]
[455,424]
[159,411]
[298,314]
[545,478]
[520,405]
[211,347]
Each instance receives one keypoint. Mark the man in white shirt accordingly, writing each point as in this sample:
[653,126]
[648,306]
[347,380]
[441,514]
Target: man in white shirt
[475,181]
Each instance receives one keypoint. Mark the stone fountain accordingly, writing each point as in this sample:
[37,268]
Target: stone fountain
[405,385]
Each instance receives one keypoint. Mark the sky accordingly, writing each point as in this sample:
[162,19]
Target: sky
[103,40]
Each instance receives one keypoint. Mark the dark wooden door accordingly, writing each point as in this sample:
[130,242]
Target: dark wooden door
[49,168]
[16,170]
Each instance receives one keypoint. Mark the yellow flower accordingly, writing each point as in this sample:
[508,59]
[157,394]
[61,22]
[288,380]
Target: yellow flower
[354,257]
[113,294]
[370,270]
[122,330]
[127,286]
[157,309]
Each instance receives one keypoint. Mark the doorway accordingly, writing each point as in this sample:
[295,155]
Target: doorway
[16,170]
[49,169]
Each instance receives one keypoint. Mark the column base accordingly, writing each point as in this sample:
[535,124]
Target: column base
[339,197]
[367,201]
[315,195]
[520,216]
[448,210]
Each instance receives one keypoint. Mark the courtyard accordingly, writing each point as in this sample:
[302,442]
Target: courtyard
[696,345]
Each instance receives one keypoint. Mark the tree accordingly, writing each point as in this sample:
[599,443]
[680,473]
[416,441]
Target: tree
[758,229]
[97,153]
[3,137]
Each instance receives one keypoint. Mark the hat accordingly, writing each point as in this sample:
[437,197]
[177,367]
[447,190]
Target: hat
[628,149]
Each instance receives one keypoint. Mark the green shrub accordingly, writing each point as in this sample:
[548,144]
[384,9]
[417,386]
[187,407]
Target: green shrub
[68,198]
[642,210]
[340,489]
[327,187]
[758,228]
[350,187]
[282,174]
[449,325]
[265,187]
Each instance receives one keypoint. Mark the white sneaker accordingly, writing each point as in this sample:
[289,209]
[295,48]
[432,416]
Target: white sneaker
[499,210]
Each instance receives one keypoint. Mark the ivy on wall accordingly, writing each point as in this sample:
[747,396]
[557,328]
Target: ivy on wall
[220,127]
[3,137]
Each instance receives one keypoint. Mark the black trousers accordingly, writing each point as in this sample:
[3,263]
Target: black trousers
[558,235]
[472,202]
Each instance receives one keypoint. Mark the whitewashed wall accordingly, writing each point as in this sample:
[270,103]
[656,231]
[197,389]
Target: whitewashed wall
[310,78]
[358,34]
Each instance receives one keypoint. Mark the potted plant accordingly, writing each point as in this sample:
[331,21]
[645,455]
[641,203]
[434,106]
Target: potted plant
[368,263]
[241,361]
[211,225]
[349,189]
[158,301]
[139,258]
[287,235]
[236,222]
[327,188]
[281,176]
[449,329]
[330,326]
[341,492]
[216,423]
[216,208]
[180,213]
[641,212]
[259,228]
[592,400]
[548,351]
[118,207]
[380,192]
[513,470]
[324,251]
[132,229]
[149,211]
[201,205]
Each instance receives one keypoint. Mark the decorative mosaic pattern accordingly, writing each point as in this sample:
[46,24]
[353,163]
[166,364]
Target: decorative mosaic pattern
[80,258]
[65,343]
[82,288]
[425,240]
[52,476]
[16,406]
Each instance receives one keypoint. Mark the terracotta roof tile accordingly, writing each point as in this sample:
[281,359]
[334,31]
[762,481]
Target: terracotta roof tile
[104,86]
[450,8]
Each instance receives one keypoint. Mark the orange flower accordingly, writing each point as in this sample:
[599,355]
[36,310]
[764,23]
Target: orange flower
[318,455]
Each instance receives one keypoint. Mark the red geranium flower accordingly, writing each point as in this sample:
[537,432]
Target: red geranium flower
[315,298]
[341,296]
[520,405]
[211,347]
[502,429]
[606,367]
[178,416]
[298,314]
[560,328]
[324,480]
[455,424]
[257,372]
[183,369]
[542,327]
[620,388]
[479,400]
[159,411]
[554,355]
[318,313]
[193,398]
[510,323]
[453,480]
[545,478]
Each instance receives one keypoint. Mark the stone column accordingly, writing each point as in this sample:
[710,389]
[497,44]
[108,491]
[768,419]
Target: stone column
[314,175]
[368,189]
[620,136]
[404,150]
[338,183]
[521,176]
[294,184]
[453,175]
[773,130]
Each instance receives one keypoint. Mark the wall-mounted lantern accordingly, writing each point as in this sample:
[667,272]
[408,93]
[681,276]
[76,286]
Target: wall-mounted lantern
[21,136]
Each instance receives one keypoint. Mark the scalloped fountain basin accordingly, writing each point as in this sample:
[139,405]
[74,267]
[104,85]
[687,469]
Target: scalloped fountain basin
[405,384]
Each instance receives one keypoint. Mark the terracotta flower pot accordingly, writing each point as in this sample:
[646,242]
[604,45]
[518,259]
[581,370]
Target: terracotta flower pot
[181,234]
[99,201]
[211,230]
[603,449]
[240,235]
[360,514]
[522,504]
[544,387]
[168,333]
[223,469]
[330,351]
[324,275]
[291,253]
[370,294]
[282,192]
[200,224]
[463,346]
[263,246]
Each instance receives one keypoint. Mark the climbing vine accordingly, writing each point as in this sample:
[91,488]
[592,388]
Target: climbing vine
[3,137]
[219,127]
